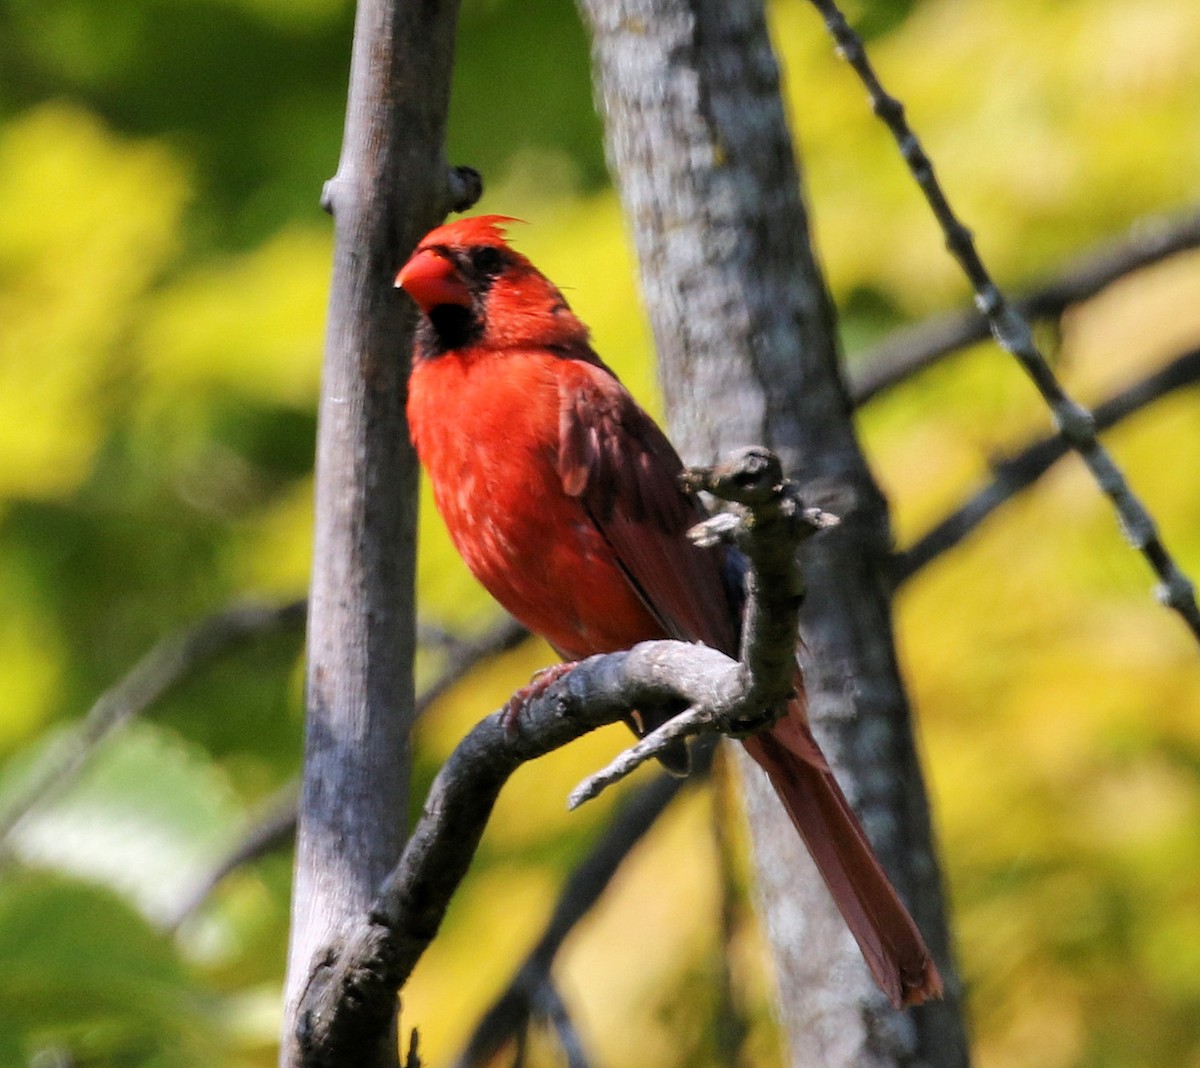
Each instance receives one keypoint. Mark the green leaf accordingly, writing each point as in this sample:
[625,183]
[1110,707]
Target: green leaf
[82,974]
[146,818]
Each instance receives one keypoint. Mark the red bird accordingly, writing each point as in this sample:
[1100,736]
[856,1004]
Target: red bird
[563,498]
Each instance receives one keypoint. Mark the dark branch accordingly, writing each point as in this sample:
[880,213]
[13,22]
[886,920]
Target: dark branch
[1013,333]
[174,659]
[549,1005]
[349,997]
[351,993]
[510,1013]
[1021,471]
[906,352]
[464,188]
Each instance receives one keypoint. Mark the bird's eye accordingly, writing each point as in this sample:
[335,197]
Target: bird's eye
[486,260]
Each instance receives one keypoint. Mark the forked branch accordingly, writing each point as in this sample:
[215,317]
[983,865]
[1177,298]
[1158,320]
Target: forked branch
[1019,472]
[349,996]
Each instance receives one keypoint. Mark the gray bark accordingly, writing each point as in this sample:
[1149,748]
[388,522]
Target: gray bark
[699,147]
[391,186]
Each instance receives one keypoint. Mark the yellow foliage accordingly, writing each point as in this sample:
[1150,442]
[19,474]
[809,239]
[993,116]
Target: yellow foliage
[1057,701]
[1048,124]
[253,323]
[637,941]
[31,663]
[87,222]
[274,555]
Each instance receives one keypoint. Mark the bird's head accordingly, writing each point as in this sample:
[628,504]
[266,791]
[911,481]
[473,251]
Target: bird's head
[473,288]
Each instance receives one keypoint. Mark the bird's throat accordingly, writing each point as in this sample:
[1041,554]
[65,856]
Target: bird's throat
[447,327]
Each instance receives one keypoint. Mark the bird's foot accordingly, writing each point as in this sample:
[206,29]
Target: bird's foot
[538,685]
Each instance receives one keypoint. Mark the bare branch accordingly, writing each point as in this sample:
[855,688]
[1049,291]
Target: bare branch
[905,352]
[1022,470]
[351,993]
[549,1005]
[690,722]
[171,661]
[1013,333]
[772,523]
[349,996]
[391,185]
[768,522]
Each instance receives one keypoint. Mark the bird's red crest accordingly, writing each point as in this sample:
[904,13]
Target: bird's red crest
[471,232]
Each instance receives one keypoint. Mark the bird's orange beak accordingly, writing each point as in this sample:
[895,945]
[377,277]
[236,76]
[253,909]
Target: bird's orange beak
[430,278]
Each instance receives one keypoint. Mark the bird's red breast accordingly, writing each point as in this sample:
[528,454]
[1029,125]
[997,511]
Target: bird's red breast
[488,437]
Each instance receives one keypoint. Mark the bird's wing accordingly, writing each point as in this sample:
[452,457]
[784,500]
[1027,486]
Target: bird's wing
[615,459]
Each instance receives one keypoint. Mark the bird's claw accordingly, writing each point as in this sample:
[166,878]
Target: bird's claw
[538,685]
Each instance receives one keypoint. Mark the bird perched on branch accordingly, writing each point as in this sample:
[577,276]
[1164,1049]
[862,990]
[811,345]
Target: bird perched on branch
[563,497]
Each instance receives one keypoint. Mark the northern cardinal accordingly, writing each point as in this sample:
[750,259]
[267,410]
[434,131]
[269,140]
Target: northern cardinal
[562,496]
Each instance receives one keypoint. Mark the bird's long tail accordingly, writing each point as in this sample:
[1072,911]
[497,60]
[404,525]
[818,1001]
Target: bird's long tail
[885,932]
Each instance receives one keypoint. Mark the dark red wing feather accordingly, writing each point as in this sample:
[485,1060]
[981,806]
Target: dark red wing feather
[620,465]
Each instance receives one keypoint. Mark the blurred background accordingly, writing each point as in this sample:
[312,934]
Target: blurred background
[163,273]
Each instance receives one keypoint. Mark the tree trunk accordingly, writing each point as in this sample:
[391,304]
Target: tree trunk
[699,147]
[390,187]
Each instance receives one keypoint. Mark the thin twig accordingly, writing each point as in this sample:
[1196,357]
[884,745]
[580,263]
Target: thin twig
[434,635]
[275,828]
[689,723]
[168,663]
[464,654]
[1020,471]
[509,1014]
[1013,333]
[905,352]
[549,1005]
